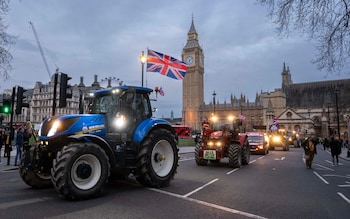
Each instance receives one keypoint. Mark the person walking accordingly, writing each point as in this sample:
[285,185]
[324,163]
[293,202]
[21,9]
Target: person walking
[19,144]
[310,150]
[335,150]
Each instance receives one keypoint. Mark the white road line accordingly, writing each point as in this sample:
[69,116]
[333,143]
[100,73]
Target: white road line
[252,161]
[261,157]
[344,197]
[324,168]
[325,181]
[344,186]
[187,159]
[234,170]
[230,210]
[200,188]
[22,202]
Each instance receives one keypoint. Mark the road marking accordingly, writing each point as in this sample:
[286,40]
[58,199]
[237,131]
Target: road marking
[261,157]
[344,197]
[252,161]
[230,210]
[324,168]
[325,181]
[22,202]
[335,175]
[282,158]
[200,188]
[187,159]
[344,186]
[234,170]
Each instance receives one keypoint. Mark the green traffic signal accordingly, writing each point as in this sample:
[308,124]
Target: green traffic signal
[6,106]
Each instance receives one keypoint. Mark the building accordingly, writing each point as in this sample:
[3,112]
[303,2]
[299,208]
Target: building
[314,108]
[40,99]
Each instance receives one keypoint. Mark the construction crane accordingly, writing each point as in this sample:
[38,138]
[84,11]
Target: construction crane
[41,50]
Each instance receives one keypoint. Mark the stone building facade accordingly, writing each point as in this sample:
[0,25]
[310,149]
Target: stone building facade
[40,100]
[308,108]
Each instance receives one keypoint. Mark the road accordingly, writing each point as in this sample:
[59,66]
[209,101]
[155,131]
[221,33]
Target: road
[276,185]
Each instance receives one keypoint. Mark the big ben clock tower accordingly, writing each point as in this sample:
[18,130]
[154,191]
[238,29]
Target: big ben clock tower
[193,82]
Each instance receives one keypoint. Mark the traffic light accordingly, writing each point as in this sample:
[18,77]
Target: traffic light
[6,106]
[63,90]
[19,100]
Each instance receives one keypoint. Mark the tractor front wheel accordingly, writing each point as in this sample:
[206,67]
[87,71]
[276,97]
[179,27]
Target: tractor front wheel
[199,161]
[234,156]
[30,173]
[80,171]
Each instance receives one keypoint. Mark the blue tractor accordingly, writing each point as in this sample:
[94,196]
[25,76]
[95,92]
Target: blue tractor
[77,154]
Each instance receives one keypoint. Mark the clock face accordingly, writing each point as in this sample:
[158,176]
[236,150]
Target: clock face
[189,60]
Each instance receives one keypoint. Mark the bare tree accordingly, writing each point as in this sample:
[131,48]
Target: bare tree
[324,21]
[6,41]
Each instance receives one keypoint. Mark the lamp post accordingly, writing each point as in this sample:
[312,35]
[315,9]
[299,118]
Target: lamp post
[143,61]
[329,122]
[336,91]
[214,94]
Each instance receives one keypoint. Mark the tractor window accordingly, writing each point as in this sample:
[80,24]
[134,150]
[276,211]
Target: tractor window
[105,104]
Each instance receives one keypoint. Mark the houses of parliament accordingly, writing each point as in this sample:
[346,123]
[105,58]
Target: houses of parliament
[315,108]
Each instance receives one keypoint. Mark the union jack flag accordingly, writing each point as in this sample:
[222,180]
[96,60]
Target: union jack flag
[161,92]
[165,65]
[241,117]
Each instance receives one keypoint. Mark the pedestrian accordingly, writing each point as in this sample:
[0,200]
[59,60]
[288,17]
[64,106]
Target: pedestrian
[335,150]
[309,150]
[19,144]
[2,133]
[8,146]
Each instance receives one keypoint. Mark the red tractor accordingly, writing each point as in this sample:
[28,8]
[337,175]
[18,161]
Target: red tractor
[220,141]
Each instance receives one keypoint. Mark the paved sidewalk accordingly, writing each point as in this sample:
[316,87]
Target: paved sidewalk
[4,160]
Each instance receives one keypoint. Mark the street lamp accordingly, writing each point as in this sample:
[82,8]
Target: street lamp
[336,91]
[214,94]
[143,61]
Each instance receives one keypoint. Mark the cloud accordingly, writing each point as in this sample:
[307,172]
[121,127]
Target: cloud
[85,38]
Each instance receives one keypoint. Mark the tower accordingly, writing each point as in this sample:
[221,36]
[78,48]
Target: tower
[193,82]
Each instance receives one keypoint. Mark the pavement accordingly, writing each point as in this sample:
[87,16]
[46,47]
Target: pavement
[182,150]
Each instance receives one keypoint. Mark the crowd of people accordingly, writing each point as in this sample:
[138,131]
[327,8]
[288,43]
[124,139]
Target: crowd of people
[19,138]
[334,144]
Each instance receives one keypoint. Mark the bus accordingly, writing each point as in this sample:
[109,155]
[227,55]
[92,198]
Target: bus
[183,130]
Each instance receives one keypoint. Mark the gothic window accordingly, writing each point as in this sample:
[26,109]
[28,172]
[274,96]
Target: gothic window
[289,115]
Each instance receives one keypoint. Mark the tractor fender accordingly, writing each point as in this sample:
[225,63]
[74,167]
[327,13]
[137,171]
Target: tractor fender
[148,125]
[97,140]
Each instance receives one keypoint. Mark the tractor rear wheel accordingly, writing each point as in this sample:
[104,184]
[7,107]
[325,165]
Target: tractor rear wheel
[234,156]
[80,171]
[157,159]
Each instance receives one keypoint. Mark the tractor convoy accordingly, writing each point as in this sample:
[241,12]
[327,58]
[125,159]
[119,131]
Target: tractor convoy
[118,137]
[77,154]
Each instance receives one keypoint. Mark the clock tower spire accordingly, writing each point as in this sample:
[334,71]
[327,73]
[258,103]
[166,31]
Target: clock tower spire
[193,82]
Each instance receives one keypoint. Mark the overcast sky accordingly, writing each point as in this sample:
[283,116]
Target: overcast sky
[243,53]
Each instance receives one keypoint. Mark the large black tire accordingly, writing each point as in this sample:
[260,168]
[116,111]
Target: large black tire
[29,174]
[246,152]
[199,161]
[80,171]
[234,156]
[158,158]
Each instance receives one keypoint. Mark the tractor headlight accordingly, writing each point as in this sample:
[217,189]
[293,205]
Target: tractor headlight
[276,139]
[214,143]
[120,121]
[54,128]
